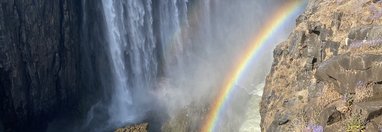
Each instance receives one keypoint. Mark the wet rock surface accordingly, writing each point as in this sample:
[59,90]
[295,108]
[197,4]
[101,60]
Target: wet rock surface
[332,62]
[45,72]
[39,61]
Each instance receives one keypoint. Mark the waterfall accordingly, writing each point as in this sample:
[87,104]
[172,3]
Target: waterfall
[169,56]
[172,24]
[144,38]
[132,53]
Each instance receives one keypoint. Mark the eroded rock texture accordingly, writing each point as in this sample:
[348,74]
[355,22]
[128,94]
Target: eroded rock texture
[347,71]
[328,74]
[39,61]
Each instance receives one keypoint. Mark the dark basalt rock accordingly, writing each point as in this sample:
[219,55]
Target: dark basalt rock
[283,120]
[346,70]
[319,30]
[1,126]
[39,61]
[375,1]
[280,119]
[368,110]
[330,116]
[365,35]
[359,33]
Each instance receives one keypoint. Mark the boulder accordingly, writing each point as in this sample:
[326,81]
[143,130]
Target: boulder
[368,110]
[365,36]
[347,71]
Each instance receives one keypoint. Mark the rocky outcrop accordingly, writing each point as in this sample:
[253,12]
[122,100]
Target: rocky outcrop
[39,61]
[134,128]
[327,75]
[347,72]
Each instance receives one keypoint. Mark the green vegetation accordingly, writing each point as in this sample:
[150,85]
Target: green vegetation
[355,125]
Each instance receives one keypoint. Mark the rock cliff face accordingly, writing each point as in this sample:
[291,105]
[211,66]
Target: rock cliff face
[328,74]
[39,61]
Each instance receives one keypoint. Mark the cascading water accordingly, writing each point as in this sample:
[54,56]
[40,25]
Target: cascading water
[172,23]
[132,53]
[174,54]
[122,97]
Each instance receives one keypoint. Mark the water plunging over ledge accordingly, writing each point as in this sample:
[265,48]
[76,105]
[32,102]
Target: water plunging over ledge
[171,54]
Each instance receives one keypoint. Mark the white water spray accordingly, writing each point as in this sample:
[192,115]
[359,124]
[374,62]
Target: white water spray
[193,42]
[120,106]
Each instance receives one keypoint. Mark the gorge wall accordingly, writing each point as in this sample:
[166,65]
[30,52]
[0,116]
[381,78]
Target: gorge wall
[52,55]
[327,75]
[39,61]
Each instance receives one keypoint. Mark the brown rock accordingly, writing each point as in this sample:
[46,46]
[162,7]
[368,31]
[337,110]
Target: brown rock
[371,127]
[335,54]
[368,110]
[134,128]
[346,71]
[330,116]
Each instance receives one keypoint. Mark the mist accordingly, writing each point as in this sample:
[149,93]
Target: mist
[218,40]
[167,59]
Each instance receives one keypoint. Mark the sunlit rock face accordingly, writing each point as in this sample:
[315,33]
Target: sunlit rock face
[327,75]
[347,71]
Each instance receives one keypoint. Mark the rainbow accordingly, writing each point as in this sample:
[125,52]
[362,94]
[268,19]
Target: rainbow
[275,23]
